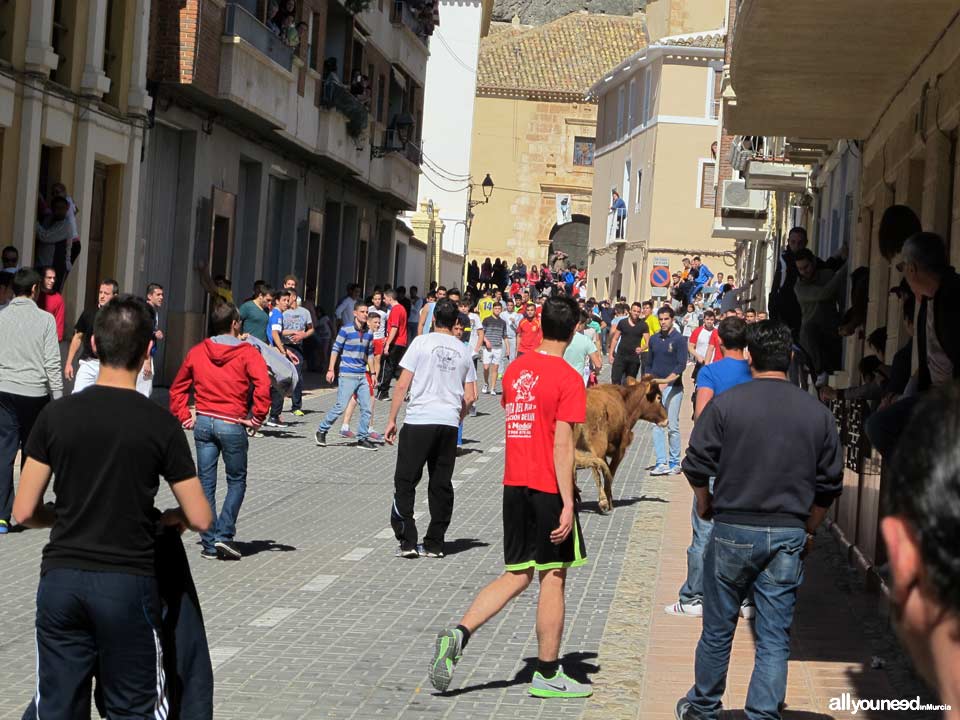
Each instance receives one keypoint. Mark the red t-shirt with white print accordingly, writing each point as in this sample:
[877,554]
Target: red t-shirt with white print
[538,392]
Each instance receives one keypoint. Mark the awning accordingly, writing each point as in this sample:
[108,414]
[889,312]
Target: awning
[826,68]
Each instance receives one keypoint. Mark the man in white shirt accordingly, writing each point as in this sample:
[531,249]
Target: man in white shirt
[344,310]
[439,373]
[512,318]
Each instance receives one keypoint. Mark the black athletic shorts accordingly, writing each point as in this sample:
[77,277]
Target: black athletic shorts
[529,516]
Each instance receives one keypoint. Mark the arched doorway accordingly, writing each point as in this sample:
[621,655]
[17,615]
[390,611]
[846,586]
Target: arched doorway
[572,238]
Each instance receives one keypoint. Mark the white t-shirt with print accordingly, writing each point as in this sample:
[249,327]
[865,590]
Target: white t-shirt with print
[441,365]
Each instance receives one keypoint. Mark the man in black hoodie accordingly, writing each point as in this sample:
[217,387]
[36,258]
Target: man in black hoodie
[770,493]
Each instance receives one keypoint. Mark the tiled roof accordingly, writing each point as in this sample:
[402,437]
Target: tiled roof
[563,57]
[714,39]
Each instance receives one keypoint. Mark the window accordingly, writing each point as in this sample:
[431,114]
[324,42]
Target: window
[636,204]
[708,188]
[647,99]
[631,105]
[381,97]
[621,98]
[714,80]
[583,151]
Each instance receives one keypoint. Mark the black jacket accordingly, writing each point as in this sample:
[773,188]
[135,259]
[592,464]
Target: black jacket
[946,322]
[773,450]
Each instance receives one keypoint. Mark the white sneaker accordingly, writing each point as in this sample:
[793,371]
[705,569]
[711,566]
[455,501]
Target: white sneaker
[747,611]
[484,391]
[694,609]
[661,470]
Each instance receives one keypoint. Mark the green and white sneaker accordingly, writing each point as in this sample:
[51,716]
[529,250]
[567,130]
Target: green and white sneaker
[447,654]
[559,686]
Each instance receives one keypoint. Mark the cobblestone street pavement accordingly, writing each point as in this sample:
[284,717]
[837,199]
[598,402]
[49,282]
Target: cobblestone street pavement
[320,620]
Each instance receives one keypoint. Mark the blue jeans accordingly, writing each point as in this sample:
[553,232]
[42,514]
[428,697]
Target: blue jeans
[214,438]
[693,586]
[738,558]
[350,384]
[672,400]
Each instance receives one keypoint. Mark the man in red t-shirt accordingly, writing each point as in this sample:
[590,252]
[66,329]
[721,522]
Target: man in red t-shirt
[543,398]
[529,332]
[395,345]
[50,300]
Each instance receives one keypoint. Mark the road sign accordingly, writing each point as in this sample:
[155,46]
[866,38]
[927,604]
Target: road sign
[661,261]
[658,292]
[660,276]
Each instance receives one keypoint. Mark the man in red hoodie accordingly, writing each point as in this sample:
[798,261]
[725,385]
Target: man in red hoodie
[221,370]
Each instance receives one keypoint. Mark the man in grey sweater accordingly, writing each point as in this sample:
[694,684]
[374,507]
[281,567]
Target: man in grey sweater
[29,376]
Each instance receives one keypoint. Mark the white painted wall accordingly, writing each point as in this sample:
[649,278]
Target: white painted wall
[448,114]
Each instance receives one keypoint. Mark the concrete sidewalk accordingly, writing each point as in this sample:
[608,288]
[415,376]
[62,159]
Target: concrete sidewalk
[842,643]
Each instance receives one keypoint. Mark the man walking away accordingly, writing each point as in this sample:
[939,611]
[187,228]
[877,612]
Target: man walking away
[98,602]
[353,346]
[51,300]
[713,380]
[297,327]
[396,343]
[145,378]
[668,360]
[89,366]
[767,502]
[438,372]
[626,344]
[221,370]
[543,398]
[495,344]
[29,376]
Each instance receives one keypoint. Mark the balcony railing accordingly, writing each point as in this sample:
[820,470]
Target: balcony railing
[412,150]
[338,96]
[403,14]
[616,227]
[241,23]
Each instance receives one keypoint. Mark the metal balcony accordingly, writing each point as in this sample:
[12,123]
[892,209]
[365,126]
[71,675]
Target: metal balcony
[338,96]
[239,22]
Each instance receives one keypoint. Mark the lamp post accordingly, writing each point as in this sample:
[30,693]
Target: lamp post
[402,126]
[487,187]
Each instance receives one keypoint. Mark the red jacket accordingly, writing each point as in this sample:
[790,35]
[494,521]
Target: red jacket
[221,376]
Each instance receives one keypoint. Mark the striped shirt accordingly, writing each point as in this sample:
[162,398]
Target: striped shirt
[354,347]
[494,328]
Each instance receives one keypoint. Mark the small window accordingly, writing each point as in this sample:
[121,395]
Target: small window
[636,204]
[647,92]
[713,102]
[631,104]
[621,111]
[583,151]
[708,189]
[316,44]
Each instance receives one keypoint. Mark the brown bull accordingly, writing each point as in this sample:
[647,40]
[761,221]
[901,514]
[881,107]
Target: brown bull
[602,441]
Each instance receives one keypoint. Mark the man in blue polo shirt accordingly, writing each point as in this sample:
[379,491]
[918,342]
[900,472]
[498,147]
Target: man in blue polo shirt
[668,360]
[353,346]
[712,380]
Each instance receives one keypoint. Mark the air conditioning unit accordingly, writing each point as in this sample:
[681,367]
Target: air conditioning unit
[736,197]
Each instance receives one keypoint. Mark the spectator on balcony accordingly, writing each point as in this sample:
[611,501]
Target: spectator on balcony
[473,274]
[921,500]
[56,237]
[619,209]
[927,271]
[519,270]
[273,18]
[818,292]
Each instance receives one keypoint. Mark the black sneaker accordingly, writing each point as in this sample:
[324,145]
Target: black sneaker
[365,444]
[276,423]
[209,555]
[228,550]
[321,438]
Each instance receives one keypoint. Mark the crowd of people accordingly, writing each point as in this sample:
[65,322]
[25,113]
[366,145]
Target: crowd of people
[530,336]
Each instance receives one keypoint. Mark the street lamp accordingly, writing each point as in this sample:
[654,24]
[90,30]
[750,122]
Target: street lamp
[487,187]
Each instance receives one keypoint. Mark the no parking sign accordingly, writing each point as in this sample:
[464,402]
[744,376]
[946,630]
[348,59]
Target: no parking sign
[660,276]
